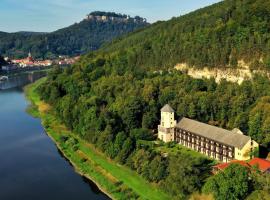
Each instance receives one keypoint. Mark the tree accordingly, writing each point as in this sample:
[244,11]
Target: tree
[255,126]
[118,142]
[141,134]
[191,110]
[126,150]
[133,113]
[149,120]
[141,160]
[156,169]
[183,176]
[233,183]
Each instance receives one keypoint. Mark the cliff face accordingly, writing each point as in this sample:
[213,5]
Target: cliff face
[236,75]
[109,16]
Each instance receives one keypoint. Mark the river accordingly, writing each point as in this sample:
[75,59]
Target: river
[31,167]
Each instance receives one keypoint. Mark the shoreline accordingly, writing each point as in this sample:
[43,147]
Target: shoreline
[114,180]
[77,170]
[58,146]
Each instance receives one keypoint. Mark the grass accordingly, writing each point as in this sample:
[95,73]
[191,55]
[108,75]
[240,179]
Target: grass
[118,181]
[177,148]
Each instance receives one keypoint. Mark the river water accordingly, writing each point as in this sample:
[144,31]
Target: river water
[31,167]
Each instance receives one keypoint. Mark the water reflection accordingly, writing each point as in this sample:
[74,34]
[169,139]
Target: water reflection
[22,79]
[31,167]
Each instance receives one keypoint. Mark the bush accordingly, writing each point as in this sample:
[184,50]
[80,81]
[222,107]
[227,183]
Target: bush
[83,160]
[75,148]
[63,138]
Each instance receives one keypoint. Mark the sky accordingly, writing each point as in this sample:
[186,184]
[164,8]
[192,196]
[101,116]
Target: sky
[50,15]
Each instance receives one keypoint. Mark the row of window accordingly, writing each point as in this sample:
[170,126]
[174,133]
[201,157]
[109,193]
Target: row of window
[209,152]
[183,135]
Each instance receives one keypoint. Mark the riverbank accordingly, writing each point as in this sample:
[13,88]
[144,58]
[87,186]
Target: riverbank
[117,181]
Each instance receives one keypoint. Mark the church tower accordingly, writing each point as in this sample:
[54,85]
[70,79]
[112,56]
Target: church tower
[30,58]
[167,124]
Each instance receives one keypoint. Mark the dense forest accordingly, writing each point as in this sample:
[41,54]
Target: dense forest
[112,97]
[76,39]
[216,36]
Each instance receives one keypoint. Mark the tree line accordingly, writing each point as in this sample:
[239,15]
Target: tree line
[76,39]
[112,97]
[119,112]
[216,36]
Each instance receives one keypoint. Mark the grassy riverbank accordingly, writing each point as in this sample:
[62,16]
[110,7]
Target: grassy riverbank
[117,181]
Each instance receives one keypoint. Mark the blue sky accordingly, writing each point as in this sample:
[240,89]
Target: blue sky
[50,15]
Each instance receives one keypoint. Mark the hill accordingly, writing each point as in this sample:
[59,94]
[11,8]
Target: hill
[87,35]
[112,97]
[215,36]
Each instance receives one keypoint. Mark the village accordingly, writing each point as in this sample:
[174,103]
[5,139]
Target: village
[30,63]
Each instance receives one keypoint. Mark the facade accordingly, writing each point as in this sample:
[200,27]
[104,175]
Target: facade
[217,143]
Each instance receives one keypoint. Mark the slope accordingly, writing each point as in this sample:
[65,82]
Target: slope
[215,36]
[87,35]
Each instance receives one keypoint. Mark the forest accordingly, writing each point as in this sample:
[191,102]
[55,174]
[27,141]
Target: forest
[215,36]
[112,97]
[76,39]
[120,114]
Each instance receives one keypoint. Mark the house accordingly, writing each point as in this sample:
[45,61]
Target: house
[261,164]
[222,166]
[215,142]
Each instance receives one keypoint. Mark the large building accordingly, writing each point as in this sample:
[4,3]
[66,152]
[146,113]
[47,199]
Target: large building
[215,142]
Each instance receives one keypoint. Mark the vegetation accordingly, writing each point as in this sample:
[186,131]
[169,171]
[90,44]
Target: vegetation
[234,183]
[215,36]
[111,98]
[76,39]
[118,113]
[118,181]
[237,182]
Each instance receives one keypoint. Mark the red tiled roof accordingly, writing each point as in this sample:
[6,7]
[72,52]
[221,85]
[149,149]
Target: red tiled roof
[262,164]
[223,166]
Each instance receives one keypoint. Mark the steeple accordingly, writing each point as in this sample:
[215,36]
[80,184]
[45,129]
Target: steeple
[30,58]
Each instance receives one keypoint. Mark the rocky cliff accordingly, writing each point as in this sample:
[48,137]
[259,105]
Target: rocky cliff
[236,75]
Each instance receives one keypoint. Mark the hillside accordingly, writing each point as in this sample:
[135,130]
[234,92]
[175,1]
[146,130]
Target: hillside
[215,36]
[112,97]
[87,35]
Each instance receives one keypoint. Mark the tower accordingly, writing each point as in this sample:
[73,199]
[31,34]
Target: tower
[30,58]
[167,124]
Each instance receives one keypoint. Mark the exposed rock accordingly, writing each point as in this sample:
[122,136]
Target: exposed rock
[236,75]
